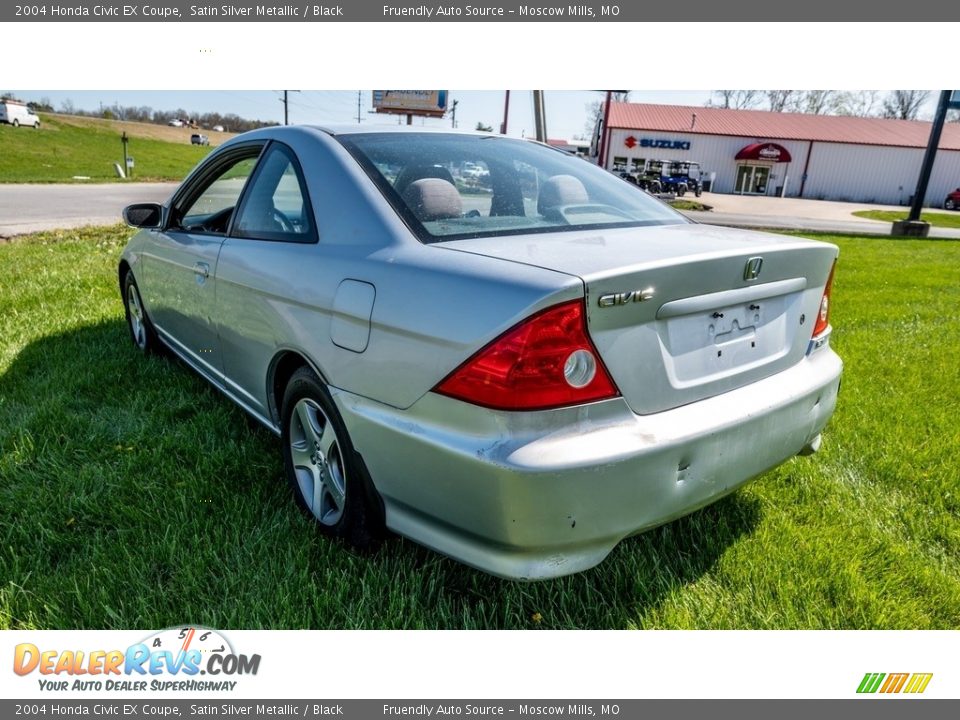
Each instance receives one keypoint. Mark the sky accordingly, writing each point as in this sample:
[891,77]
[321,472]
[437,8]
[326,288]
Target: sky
[566,110]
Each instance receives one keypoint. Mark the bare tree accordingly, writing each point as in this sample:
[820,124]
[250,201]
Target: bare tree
[595,111]
[818,102]
[782,100]
[858,103]
[736,99]
[904,104]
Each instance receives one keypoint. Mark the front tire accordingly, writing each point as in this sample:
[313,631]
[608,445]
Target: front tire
[325,473]
[16,123]
[141,329]
[949,204]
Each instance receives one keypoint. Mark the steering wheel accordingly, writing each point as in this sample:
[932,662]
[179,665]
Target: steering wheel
[282,220]
[215,223]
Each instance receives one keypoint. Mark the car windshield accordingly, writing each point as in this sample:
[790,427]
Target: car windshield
[451,186]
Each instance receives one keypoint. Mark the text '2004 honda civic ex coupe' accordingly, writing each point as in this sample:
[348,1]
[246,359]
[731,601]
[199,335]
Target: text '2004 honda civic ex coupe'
[517,367]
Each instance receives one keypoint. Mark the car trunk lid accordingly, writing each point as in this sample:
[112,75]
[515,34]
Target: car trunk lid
[680,313]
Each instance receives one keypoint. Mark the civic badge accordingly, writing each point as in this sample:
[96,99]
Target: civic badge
[752,269]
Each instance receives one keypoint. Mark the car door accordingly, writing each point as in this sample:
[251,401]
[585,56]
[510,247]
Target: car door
[181,262]
[265,257]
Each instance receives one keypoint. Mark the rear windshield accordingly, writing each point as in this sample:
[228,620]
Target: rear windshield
[448,186]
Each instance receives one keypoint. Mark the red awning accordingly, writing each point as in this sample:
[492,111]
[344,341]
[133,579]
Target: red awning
[770,152]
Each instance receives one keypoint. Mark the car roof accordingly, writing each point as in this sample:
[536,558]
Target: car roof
[354,129]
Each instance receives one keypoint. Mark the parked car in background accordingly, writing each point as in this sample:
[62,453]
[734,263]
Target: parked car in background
[175,123]
[518,378]
[953,200]
[217,128]
[198,139]
[17,114]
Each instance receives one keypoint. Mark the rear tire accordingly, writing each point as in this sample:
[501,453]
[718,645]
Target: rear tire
[949,204]
[16,123]
[326,475]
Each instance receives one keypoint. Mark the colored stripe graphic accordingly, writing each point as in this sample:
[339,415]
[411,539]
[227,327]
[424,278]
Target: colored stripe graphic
[918,682]
[870,682]
[894,683]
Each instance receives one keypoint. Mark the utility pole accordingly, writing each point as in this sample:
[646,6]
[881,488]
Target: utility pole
[913,226]
[359,92]
[453,114]
[604,135]
[506,112]
[540,115]
[286,106]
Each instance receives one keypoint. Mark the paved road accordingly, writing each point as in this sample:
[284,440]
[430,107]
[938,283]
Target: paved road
[855,227]
[29,208]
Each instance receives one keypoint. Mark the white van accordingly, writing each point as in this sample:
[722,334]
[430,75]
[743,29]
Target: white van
[17,114]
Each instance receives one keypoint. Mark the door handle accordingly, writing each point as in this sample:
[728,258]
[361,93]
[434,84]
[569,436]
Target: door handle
[202,269]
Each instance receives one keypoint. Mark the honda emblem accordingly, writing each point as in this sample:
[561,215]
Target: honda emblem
[752,269]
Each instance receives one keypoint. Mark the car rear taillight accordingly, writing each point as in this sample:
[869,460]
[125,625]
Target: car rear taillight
[823,315]
[547,361]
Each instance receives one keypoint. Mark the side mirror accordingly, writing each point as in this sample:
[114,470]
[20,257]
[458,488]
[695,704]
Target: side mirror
[143,215]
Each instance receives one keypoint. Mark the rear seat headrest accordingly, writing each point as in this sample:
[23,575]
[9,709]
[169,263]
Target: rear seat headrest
[433,199]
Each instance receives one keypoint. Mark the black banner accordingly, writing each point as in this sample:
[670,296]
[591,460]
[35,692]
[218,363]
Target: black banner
[853,709]
[732,11]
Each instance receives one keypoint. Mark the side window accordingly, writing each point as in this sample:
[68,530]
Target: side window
[275,207]
[210,211]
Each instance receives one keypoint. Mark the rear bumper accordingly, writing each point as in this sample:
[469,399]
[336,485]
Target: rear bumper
[545,494]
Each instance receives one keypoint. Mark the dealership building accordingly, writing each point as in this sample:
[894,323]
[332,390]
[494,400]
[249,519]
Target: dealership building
[826,157]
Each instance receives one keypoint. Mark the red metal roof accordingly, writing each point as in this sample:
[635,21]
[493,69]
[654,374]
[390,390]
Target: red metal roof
[756,124]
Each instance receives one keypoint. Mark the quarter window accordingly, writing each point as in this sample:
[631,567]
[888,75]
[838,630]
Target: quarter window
[275,207]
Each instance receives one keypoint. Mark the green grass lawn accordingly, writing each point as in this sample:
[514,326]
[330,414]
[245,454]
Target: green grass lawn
[937,219]
[60,150]
[133,495]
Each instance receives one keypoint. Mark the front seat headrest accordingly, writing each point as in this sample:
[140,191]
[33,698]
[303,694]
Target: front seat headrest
[561,190]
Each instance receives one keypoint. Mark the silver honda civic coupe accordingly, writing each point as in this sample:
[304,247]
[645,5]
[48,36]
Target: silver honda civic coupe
[498,350]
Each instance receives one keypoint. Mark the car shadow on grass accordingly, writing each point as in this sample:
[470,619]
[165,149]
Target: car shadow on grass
[133,494]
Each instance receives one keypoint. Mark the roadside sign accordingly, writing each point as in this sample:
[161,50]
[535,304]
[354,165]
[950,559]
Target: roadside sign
[430,103]
[129,162]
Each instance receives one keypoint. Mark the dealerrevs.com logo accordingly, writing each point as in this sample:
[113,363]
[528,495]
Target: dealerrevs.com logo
[172,659]
[890,683]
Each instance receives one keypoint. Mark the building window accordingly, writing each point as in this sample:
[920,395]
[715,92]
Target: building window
[619,164]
